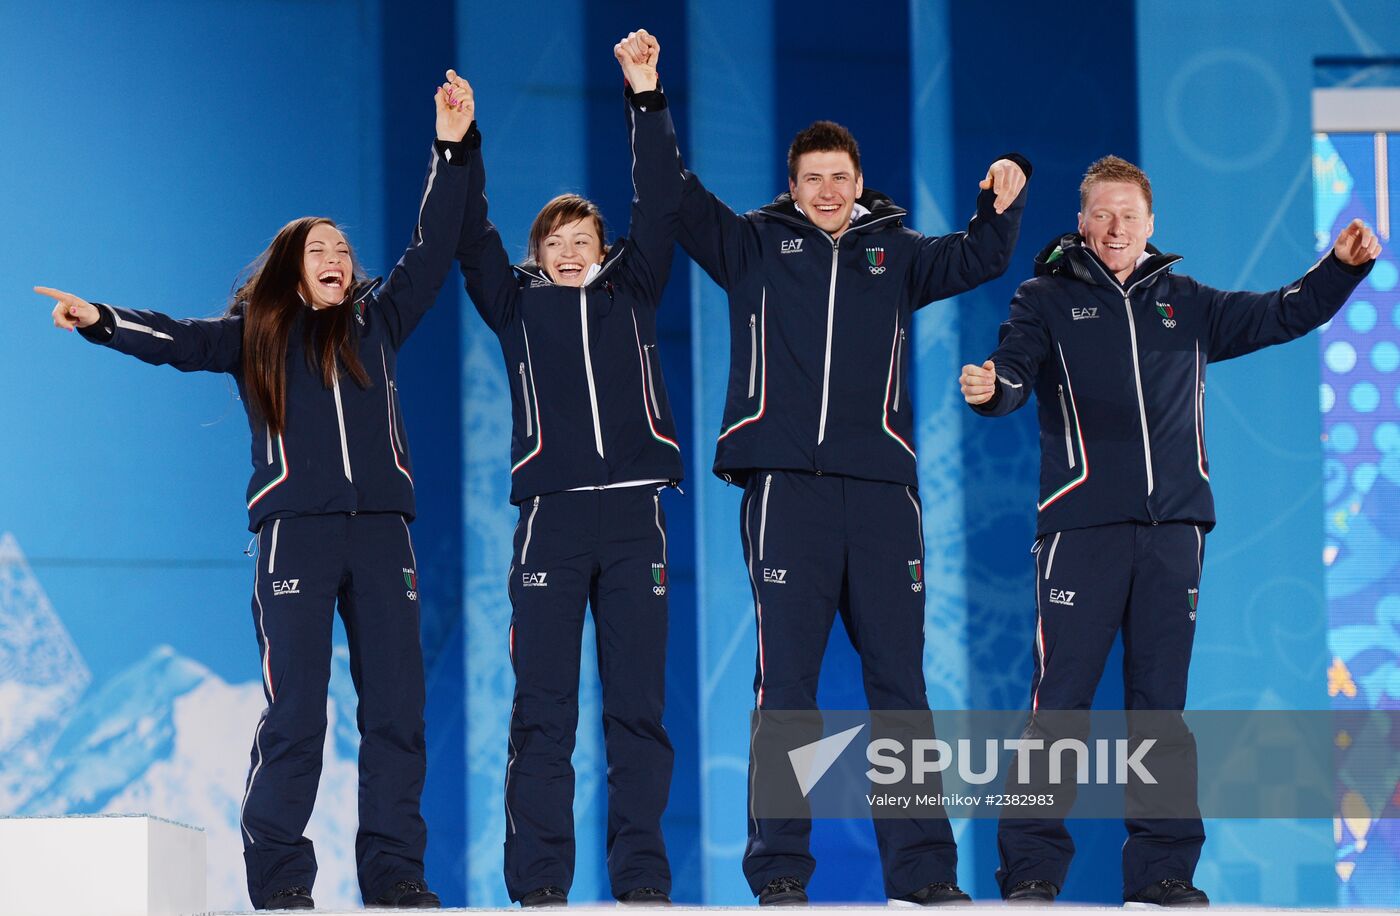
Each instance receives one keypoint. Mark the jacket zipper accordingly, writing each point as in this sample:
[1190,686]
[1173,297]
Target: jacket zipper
[753,354]
[1064,415]
[529,530]
[1137,381]
[394,416]
[898,368]
[1137,369]
[525,399]
[272,552]
[826,367]
[340,421]
[651,384]
[763,516]
[588,370]
[268,431]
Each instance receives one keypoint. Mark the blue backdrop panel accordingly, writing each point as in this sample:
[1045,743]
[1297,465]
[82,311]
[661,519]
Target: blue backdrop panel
[1054,106]
[418,44]
[941,413]
[144,170]
[733,149]
[1226,138]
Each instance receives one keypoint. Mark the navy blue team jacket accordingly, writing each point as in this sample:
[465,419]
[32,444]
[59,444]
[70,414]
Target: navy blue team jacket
[588,400]
[344,448]
[1119,372]
[820,327]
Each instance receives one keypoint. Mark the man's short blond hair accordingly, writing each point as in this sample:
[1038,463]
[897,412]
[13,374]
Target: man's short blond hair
[1112,168]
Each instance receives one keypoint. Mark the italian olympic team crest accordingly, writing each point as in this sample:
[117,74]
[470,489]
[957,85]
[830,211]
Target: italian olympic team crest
[658,579]
[1168,314]
[875,257]
[916,573]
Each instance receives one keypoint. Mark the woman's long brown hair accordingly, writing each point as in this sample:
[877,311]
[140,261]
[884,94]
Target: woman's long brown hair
[270,300]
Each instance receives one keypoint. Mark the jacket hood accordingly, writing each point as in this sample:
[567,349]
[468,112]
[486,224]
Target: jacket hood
[1067,256]
[879,205]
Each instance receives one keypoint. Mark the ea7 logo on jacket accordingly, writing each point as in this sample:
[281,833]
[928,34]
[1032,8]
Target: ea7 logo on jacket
[775,576]
[875,257]
[286,587]
[1079,314]
[792,246]
[1060,596]
[534,580]
[1168,314]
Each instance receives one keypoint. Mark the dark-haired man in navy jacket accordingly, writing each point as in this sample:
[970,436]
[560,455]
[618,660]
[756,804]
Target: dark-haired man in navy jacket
[818,429]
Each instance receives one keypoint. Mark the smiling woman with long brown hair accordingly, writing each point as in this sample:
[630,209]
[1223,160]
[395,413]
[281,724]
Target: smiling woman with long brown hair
[312,346]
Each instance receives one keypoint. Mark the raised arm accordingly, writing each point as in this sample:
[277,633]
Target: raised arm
[949,264]
[481,254]
[190,345]
[1004,382]
[1242,322]
[413,284]
[656,165]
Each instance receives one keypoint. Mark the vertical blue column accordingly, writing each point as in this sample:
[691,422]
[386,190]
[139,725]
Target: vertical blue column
[532,110]
[416,45]
[938,357]
[1037,88]
[732,149]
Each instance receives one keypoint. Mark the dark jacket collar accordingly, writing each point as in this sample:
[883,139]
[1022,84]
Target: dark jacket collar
[882,210]
[1068,256]
[534,271]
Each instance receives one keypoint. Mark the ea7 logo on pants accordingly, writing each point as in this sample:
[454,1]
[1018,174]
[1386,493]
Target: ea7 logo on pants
[286,587]
[534,580]
[775,576]
[1060,596]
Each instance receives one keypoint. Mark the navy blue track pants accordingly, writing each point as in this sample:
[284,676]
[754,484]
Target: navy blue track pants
[308,566]
[1092,583]
[607,549]
[815,545]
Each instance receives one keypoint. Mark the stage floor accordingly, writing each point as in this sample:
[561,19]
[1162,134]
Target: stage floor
[1057,910]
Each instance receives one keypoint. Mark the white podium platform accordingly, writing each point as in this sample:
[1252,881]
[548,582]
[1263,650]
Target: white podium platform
[114,865]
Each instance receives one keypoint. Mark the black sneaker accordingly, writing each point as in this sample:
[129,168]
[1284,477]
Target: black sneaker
[644,896]
[1168,892]
[407,895]
[939,893]
[1033,892]
[290,898]
[545,896]
[783,892]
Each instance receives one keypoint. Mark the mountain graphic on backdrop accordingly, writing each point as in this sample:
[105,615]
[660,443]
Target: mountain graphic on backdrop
[166,737]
